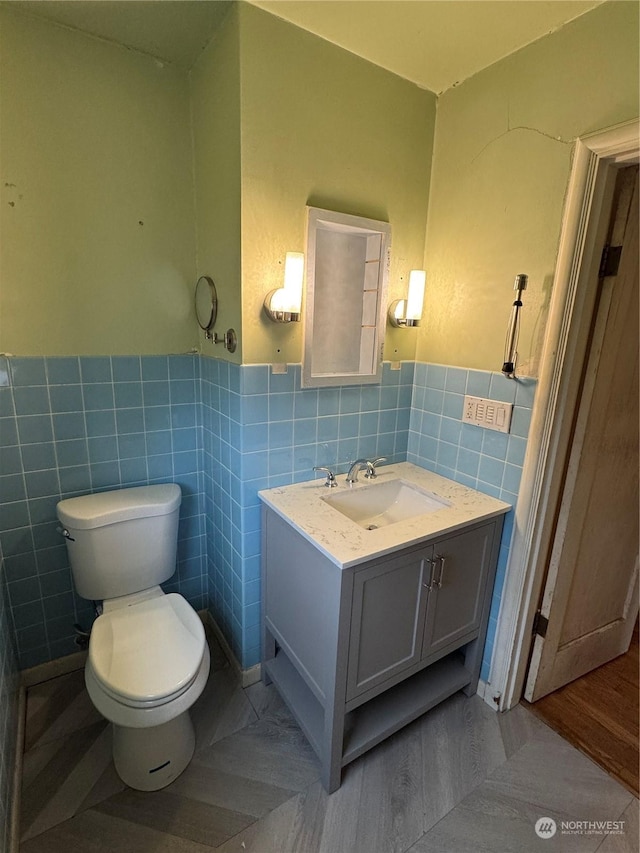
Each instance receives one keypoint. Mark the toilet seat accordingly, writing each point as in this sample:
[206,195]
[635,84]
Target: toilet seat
[143,703]
[148,653]
[121,714]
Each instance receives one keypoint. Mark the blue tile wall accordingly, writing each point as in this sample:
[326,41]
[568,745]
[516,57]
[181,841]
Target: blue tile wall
[9,683]
[223,432]
[262,430]
[483,459]
[69,426]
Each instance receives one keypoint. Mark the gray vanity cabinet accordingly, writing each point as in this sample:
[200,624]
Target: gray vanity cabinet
[461,565]
[411,608]
[387,621]
[359,652]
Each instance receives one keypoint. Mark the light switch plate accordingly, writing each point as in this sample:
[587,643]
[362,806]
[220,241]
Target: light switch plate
[490,414]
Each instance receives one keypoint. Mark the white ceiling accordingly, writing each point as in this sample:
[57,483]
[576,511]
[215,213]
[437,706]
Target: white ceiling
[434,43]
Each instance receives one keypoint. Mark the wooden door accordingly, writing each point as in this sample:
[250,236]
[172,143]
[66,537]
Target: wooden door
[591,593]
[454,610]
[387,620]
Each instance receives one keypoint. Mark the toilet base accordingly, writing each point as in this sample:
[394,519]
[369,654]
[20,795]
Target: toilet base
[150,759]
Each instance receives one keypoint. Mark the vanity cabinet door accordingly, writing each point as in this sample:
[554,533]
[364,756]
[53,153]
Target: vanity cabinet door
[461,566]
[387,620]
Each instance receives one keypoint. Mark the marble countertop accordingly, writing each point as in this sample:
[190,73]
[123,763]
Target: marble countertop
[347,544]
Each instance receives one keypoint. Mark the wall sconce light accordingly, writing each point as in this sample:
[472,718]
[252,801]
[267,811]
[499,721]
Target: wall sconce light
[405,313]
[284,304]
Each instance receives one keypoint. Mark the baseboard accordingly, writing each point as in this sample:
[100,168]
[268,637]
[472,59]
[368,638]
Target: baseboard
[487,692]
[252,675]
[14,817]
[247,676]
[53,668]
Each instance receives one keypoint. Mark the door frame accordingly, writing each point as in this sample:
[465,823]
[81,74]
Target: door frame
[587,206]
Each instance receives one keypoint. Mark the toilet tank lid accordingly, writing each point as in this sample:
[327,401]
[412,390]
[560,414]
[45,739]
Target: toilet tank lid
[102,508]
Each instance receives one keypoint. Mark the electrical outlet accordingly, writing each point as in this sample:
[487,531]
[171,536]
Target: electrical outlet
[490,414]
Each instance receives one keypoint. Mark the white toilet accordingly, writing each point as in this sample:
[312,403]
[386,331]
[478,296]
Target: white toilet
[148,657]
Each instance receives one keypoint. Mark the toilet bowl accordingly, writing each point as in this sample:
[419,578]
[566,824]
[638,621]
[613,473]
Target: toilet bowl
[148,657]
[148,663]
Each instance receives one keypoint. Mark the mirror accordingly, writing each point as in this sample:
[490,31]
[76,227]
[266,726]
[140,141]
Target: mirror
[346,293]
[206,304]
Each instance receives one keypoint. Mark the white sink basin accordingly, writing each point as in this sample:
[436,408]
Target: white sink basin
[380,504]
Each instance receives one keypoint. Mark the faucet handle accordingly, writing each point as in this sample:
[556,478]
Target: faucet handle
[331,477]
[371,467]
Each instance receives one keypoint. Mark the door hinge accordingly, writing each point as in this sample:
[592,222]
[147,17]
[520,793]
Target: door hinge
[540,625]
[609,261]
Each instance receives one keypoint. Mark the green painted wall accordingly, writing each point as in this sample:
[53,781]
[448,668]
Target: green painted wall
[502,159]
[97,220]
[96,139]
[322,127]
[215,110]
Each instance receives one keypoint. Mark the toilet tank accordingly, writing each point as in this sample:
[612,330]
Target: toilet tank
[122,541]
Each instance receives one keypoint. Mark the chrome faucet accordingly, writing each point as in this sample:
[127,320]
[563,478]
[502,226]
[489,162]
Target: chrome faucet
[354,470]
[361,465]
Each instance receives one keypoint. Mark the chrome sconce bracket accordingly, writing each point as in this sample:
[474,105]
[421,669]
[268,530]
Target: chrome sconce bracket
[275,314]
[397,318]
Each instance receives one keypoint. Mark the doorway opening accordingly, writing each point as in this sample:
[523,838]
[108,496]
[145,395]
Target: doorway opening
[598,714]
[590,196]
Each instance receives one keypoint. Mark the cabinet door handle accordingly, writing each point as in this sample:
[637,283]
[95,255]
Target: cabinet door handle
[430,582]
[438,582]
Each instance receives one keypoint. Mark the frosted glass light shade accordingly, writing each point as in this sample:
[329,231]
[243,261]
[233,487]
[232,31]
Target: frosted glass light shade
[415,297]
[293,275]
[284,304]
[405,313]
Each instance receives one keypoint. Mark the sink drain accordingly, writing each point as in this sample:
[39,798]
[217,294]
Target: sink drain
[372,526]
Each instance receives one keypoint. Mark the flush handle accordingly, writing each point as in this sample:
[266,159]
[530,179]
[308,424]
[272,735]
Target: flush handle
[64,532]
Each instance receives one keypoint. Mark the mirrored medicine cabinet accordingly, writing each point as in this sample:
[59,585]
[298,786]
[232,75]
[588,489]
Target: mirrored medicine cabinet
[347,268]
